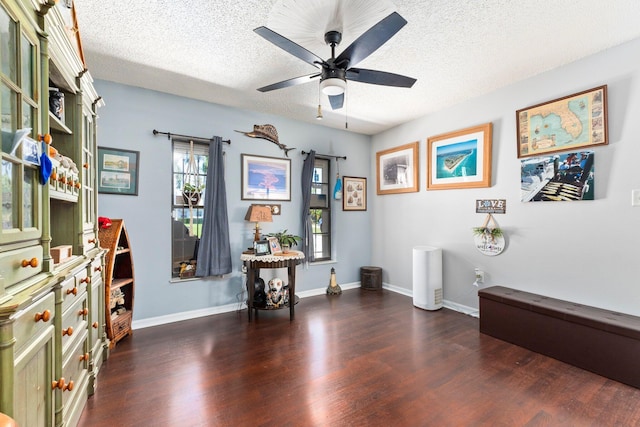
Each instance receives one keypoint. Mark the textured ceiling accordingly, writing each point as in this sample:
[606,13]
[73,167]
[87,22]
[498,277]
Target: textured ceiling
[457,50]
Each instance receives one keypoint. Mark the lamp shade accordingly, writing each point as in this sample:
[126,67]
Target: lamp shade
[333,86]
[257,213]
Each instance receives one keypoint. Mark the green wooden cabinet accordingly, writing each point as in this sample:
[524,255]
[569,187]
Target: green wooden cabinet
[52,317]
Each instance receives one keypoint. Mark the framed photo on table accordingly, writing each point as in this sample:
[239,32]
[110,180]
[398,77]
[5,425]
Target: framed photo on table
[354,197]
[460,159]
[274,246]
[573,122]
[118,171]
[265,178]
[397,169]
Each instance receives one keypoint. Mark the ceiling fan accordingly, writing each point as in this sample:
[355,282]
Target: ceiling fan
[336,71]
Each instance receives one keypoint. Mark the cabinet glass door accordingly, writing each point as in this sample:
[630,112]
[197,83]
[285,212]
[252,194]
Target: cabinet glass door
[21,212]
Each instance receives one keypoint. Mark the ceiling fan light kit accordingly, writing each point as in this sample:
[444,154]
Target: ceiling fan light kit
[333,86]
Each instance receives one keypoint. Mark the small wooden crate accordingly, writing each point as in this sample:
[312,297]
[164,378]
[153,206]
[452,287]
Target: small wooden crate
[61,253]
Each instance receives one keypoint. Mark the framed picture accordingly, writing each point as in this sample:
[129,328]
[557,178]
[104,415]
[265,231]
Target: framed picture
[460,159]
[261,247]
[570,123]
[266,178]
[118,171]
[274,246]
[397,169]
[354,197]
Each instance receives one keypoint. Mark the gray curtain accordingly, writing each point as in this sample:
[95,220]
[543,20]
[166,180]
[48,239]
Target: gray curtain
[214,252]
[307,178]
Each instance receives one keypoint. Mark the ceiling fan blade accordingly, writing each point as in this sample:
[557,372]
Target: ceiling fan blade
[291,82]
[288,46]
[379,77]
[372,39]
[336,101]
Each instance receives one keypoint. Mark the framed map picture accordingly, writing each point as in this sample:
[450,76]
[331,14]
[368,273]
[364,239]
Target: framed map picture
[570,123]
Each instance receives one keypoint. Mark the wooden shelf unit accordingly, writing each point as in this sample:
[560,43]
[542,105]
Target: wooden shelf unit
[119,275]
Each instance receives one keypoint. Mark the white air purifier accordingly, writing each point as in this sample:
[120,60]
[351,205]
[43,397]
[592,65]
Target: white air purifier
[427,277]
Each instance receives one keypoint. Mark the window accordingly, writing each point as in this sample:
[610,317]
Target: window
[189,177]
[321,210]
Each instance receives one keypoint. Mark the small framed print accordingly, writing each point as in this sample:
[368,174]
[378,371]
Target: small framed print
[118,171]
[261,247]
[355,194]
[274,246]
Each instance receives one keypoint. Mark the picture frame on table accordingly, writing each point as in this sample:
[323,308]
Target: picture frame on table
[274,246]
[397,169]
[261,247]
[460,159]
[265,178]
[118,171]
[573,122]
[354,197]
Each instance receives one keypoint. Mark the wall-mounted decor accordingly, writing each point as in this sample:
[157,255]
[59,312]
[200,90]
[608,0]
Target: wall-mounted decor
[265,178]
[460,159]
[570,123]
[118,171]
[491,206]
[355,194]
[489,238]
[397,169]
[559,177]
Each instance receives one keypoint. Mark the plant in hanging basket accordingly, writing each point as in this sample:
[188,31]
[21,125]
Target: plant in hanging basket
[192,193]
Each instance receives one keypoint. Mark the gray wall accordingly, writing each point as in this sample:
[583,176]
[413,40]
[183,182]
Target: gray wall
[585,251]
[127,122]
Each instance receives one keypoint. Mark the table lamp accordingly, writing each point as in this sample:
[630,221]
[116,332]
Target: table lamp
[258,214]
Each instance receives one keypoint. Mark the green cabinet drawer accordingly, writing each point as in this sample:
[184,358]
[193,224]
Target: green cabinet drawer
[74,288]
[31,321]
[74,323]
[20,264]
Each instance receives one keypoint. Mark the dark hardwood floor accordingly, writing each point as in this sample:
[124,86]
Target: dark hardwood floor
[363,358]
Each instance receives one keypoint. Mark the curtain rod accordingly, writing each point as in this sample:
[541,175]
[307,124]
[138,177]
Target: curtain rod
[326,155]
[206,140]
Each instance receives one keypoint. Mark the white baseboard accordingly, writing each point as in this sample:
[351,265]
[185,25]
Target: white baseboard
[194,314]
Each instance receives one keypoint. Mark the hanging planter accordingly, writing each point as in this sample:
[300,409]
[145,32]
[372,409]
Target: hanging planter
[191,194]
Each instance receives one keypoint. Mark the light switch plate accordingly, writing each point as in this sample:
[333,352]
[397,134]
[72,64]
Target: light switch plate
[635,197]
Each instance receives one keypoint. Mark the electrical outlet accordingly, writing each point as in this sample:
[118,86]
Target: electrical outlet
[635,197]
[479,276]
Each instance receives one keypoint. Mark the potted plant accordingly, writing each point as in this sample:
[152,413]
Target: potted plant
[286,240]
[191,193]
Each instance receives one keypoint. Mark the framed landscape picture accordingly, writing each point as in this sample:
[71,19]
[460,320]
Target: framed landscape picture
[397,169]
[355,194]
[118,171]
[573,122]
[460,159]
[265,178]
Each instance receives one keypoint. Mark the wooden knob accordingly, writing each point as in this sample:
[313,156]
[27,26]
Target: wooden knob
[91,240]
[86,279]
[73,291]
[44,316]
[95,325]
[68,387]
[54,176]
[68,331]
[98,268]
[58,384]
[83,312]
[78,185]
[33,262]
[86,165]
[63,179]
[84,357]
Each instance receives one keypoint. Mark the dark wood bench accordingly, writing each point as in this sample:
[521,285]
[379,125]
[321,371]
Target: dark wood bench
[601,341]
